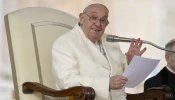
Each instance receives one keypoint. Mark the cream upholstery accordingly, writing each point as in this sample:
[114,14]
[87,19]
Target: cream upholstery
[31,32]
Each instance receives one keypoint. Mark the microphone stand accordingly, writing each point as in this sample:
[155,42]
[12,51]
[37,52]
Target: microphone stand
[113,38]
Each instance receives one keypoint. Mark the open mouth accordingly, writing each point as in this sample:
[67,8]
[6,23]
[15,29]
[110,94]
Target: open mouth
[96,30]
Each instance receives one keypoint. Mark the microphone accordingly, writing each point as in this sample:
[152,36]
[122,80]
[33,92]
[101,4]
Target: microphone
[114,38]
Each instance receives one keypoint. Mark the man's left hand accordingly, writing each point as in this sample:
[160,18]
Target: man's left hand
[134,49]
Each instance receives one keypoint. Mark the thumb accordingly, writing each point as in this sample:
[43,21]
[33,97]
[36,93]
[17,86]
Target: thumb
[127,54]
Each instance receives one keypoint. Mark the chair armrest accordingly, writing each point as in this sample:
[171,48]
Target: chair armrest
[78,92]
[161,93]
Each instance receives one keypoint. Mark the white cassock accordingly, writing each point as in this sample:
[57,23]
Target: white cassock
[78,62]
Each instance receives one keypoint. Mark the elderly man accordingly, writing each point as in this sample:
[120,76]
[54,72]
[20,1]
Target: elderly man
[83,57]
[167,75]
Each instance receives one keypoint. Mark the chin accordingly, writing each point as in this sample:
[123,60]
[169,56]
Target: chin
[96,39]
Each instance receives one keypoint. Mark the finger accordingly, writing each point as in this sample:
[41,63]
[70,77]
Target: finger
[142,51]
[118,83]
[121,86]
[137,42]
[123,78]
[140,44]
[123,81]
[132,44]
[127,54]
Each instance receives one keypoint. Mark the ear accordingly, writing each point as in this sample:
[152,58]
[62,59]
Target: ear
[81,18]
[167,58]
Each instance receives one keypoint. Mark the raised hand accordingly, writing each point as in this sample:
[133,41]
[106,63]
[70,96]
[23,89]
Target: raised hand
[135,49]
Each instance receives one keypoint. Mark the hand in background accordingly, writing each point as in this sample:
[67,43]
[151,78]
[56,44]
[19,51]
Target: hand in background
[135,49]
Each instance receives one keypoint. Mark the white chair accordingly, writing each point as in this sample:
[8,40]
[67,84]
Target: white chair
[30,34]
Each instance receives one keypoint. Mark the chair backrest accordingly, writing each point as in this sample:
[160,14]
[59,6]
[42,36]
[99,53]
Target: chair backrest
[30,34]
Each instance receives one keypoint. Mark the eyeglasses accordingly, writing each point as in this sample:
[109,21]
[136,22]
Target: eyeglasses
[94,19]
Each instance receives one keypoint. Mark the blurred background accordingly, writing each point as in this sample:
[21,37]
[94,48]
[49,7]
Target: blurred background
[151,20]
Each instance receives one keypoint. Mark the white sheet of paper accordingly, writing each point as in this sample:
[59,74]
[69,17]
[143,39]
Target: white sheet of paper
[138,69]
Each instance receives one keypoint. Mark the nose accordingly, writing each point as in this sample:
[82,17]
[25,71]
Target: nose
[98,23]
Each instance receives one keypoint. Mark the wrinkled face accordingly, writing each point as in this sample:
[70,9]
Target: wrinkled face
[170,58]
[91,28]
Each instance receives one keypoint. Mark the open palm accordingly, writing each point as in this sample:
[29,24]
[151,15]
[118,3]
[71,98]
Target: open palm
[134,49]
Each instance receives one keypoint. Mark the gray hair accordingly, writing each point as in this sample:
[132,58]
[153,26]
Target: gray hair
[170,44]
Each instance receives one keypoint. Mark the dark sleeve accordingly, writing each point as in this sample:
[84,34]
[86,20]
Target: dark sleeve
[152,82]
[147,84]
[155,81]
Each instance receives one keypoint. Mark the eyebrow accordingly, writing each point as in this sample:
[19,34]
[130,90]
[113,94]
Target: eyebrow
[101,17]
